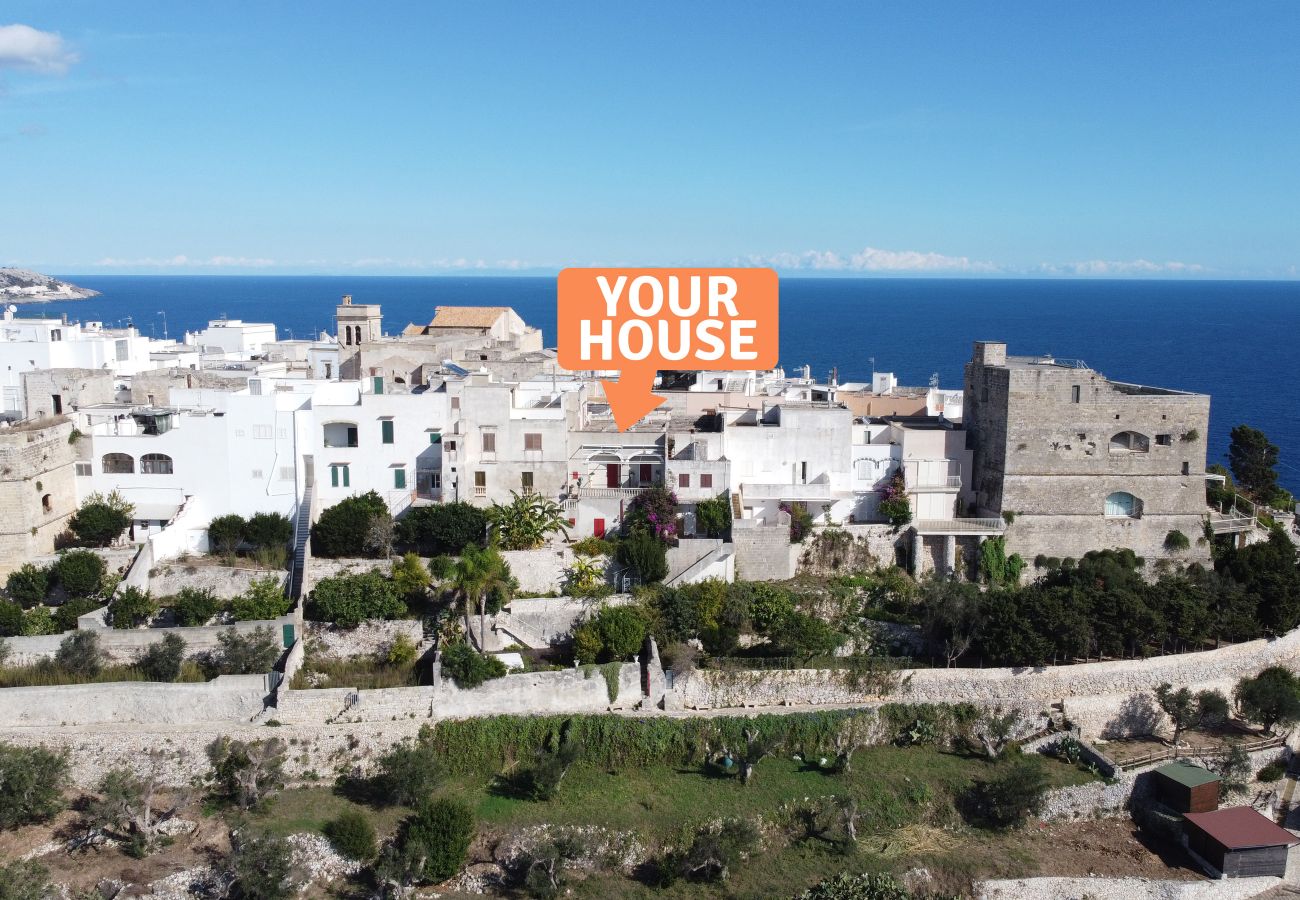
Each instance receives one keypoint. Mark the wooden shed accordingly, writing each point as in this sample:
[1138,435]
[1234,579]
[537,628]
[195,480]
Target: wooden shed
[1239,842]
[1187,788]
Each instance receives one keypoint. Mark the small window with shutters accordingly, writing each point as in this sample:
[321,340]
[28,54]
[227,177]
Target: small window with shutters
[399,479]
[386,430]
[706,480]
[532,441]
[684,480]
[489,442]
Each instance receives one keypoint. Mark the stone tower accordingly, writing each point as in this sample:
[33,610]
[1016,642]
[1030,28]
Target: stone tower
[38,492]
[356,323]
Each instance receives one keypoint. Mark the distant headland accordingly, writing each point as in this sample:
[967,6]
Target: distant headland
[22,286]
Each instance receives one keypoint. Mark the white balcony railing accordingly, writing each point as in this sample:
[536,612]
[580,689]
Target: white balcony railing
[934,483]
[960,526]
[608,493]
[480,490]
[770,491]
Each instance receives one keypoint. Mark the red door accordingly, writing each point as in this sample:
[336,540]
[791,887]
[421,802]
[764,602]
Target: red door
[598,527]
[611,475]
[646,473]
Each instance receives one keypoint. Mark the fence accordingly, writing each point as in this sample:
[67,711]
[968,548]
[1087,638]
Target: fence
[1164,753]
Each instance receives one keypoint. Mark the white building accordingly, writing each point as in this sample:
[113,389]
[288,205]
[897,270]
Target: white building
[234,337]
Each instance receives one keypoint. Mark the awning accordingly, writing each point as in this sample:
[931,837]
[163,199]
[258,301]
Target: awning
[155,512]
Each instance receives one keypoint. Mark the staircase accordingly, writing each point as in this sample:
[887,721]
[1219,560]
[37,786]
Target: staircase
[301,534]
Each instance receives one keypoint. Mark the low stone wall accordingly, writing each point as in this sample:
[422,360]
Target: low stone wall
[124,645]
[764,552]
[865,546]
[226,582]
[230,698]
[319,567]
[367,639]
[1123,889]
[1099,698]
[532,693]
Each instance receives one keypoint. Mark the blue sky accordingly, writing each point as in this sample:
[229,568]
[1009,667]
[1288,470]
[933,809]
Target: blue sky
[1106,139]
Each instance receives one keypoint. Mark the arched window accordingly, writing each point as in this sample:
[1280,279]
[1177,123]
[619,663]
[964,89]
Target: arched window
[1122,504]
[47,504]
[340,434]
[117,464]
[1129,442]
[155,464]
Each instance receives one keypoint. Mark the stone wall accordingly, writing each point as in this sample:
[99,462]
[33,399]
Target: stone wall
[38,492]
[1098,697]
[763,552]
[124,645]
[367,639]
[539,571]
[74,387]
[230,698]
[834,550]
[319,567]
[167,578]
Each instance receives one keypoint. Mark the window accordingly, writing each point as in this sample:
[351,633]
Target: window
[1164,440]
[489,442]
[117,464]
[526,482]
[56,334]
[399,479]
[47,505]
[286,473]
[480,484]
[1187,468]
[282,433]
[262,432]
[684,480]
[706,480]
[1122,504]
[435,437]
[455,403]
[340,434]
[239,432]
[57,400]
[122,350]
[83,470]
[340,476]
[532,442]
[378,382]
[386,430]
[155,464]
[1076,393]
[1129,442]
[258,474]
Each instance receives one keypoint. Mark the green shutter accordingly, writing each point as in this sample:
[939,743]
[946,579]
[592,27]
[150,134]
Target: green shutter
[435,437]
[399,479]
[386,426]
[334,476]
[379,384]
[347,477]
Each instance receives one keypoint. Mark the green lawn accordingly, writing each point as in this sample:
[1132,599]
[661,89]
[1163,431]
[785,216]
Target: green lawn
[905,796]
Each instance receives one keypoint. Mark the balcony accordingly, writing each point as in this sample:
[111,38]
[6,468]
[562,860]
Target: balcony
[797,492]
[933,484]
[989,526]
[480,490]
[610,493]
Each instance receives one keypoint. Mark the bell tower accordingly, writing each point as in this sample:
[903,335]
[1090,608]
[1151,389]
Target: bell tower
[355,324]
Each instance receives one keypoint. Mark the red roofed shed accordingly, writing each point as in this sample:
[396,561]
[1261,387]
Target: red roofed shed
[1239,841]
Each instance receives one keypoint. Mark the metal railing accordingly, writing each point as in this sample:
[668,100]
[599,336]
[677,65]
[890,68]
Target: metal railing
[941,483]
[960,526]
[1164,753]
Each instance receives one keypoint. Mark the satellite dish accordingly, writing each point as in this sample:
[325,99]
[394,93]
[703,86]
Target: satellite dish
[13,308]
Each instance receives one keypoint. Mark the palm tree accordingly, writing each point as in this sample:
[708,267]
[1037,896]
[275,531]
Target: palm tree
[478,573]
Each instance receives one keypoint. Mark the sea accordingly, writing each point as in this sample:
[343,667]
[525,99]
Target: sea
[1238,341]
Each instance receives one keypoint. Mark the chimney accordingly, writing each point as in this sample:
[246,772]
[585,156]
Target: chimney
[990,353]
[347,299]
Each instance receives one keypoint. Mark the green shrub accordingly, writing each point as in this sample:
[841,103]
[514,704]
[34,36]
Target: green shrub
[1176,541]
[132,607]
[258,867]
[469,669]
[441,567]
[614,633]
[867,886]
[443,528]
[26,880]
[1272,771]
[1271,697]
[28,585]
[66,615]
[226,533]
[646,555]
[713,517]
[401,652]
[344,530]
[101,518]
[805,636]
[268,530]
[434,841]
[194,606]
[1008,798]
[409,772]
[11,619]
[39,620]
[410,576]
[32,782]
[162,661]
[352,835]
[265,599]
[81,572]
[246,654]
[592,546]
[80,654]
[349,600]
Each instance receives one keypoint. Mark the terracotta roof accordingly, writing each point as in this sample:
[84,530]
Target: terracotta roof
[467,316]
[1241,828]
[412,330]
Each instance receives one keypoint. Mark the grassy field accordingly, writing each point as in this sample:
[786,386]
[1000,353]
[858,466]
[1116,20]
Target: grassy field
[905,795]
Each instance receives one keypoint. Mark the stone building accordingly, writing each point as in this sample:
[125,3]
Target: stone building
[55,392]
[1075,462]
[38,491]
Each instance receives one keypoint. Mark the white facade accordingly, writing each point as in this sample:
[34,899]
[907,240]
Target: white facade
[234,337]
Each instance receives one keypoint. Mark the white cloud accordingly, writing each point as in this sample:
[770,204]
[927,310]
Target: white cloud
[182,261]
[458,264]
[24,47]
[1112,268]
[874,259]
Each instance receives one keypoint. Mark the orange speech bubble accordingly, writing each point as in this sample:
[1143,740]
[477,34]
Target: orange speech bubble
[642,320]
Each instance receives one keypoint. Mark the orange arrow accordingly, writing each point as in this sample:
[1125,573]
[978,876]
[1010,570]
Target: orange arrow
[629,398]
